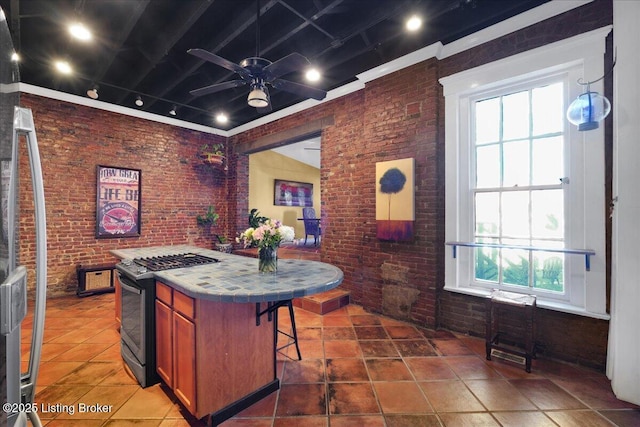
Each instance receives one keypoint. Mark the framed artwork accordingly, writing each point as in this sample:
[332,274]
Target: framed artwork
[395,199]
[292,193]
[118,202]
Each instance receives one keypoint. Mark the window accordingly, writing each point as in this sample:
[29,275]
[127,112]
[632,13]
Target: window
[519,175]
[517,198]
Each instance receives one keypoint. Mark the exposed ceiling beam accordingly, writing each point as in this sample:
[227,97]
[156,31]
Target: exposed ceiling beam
[233,30]
[170,41]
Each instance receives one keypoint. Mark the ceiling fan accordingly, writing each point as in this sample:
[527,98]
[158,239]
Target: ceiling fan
[259,72]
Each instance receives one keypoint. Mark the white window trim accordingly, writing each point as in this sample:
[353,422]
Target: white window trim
[579,56]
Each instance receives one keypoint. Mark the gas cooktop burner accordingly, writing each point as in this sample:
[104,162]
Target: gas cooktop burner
[167,262]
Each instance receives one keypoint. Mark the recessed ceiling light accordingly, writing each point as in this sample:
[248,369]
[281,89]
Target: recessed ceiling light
[63,67]
[414,23]
[80,32]
[313,75]
[222,118]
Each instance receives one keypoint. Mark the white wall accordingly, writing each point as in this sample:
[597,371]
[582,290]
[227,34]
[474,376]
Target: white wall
[623,365]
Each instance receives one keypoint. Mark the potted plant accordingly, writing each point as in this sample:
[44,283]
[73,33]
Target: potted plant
[223,244]
[212,154]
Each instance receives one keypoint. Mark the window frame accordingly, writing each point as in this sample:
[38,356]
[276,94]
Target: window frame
[565,78]
[577,57]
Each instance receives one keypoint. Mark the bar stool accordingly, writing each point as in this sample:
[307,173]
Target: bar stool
[294,334]
[523,307]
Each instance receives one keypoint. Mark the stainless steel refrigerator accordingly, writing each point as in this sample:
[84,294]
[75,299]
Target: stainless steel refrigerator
[17,135]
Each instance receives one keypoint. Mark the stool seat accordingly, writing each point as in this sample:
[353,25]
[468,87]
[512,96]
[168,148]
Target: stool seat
[523,307]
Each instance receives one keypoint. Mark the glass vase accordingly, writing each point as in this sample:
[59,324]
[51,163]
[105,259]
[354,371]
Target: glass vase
[268,260]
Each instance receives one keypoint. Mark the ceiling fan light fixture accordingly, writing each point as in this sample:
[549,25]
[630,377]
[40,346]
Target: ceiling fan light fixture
[257,97]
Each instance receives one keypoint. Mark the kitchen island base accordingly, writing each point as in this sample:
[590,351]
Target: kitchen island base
[212,349]
[212,354]
[224,414]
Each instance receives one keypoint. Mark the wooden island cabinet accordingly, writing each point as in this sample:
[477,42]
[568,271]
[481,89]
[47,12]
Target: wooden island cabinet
[215,325]
[201,342]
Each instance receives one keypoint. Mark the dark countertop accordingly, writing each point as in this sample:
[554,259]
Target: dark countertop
[236,278]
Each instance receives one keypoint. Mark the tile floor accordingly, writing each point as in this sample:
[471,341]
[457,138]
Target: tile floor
[358,369]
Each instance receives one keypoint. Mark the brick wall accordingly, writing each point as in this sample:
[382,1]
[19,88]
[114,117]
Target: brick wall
[402,115]
[398,116]
[73,140]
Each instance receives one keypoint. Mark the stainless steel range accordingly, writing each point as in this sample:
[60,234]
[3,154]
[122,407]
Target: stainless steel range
[137,330]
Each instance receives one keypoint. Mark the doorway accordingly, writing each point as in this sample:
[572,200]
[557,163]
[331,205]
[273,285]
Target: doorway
[298,162]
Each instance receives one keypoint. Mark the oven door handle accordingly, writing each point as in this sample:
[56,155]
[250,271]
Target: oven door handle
[130,288]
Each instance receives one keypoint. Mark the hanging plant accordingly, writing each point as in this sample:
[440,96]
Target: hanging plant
[212,154]
[209,218]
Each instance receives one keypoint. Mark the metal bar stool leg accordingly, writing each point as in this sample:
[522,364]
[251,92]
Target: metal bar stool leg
[294,332]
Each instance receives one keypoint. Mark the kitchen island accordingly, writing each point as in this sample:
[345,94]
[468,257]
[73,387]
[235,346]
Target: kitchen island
[216,325]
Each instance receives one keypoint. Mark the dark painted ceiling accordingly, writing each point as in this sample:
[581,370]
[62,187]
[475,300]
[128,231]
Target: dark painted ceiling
[140,46]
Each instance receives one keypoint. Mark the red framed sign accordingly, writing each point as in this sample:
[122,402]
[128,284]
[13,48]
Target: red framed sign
[118,202]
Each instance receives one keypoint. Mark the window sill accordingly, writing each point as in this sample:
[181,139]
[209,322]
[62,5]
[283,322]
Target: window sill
[540,302]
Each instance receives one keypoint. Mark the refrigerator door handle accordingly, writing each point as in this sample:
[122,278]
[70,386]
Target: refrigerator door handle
[23,125]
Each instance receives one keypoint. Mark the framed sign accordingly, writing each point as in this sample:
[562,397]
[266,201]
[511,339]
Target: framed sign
[118,202]
[292,193]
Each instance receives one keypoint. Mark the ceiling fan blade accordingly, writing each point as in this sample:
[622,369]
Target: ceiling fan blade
[218,60]
[267,109]
[217,87]
[286,65]
[299,89]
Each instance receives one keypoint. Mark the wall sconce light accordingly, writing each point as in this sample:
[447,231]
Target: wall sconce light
[93,92]
[172,112]
[139,101]
[590,108]
[257,97]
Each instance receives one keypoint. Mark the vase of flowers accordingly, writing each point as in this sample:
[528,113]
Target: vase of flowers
[267,238]
[268,260]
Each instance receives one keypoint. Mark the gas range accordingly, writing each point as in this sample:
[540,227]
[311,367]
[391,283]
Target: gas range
[143,268]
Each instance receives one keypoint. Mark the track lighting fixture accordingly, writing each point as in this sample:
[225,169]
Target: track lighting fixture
[93,92]
[139,101]
[172,112]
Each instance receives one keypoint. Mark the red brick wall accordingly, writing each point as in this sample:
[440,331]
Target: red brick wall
[73,140]
[398,116]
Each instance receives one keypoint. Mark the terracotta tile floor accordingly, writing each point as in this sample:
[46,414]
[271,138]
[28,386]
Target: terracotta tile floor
[357,370]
